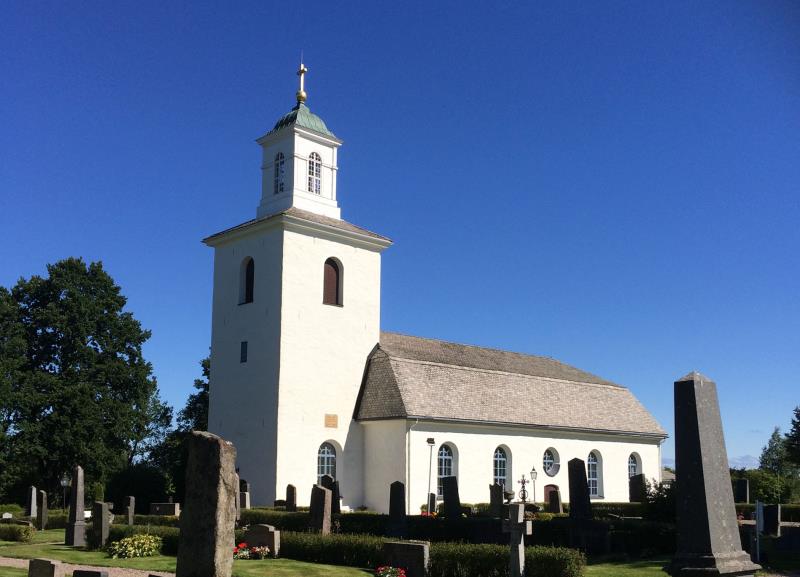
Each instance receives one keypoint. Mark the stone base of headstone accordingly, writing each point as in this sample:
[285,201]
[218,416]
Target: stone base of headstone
[264,536]
[75,535]
[86,573]
[414,557]
[738,564]
[45,568]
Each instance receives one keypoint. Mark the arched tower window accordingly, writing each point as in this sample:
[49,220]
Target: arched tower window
[247,280]
[594,474]
[444,467]
[500,467]
[280,173]
[326,461]
[633,465]
[332,283]
[314,173]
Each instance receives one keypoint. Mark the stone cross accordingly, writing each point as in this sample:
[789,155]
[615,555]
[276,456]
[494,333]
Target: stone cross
[75,535]
[30,502]
[291,498]
[209,509]
[264,536]
[100,524]
[554,502]
[320,510]
[580,506]
[130,509]
[707,530]
[496,500]
[41,513]
[517,527]
[452,503]
[637,488]
[398,524]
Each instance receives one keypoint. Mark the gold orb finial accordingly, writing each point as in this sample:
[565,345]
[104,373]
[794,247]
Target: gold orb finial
[301,93]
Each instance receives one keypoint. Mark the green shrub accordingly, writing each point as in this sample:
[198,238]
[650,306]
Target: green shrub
[56,520]
[12,508]
[169,535]
[463,559]
[349,550]
[162,520]
[13,532]
[281,520]
[554,562]
[135,546]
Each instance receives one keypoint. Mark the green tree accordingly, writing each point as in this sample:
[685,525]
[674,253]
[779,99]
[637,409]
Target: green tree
[773,454]
[82,393]
[194,416]
[793,440]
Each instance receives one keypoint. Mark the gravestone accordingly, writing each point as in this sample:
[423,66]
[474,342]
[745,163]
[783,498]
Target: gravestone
[264,536]
[772,520]
[291,498]
[398,524]
[244,495]
[327,482]
[30,502]
[517,527]
[706,526]
[130,510]
[741,491]
[172,509]
[45,568]
[87,573]
[554,504]
[6,516]
[237,499]
[637,488]
[41,511]
[320,510]
[244,486]
[209,515]
[100,524]
[75,535]
[336,499]
[496,500]
[279,503]
[580,506]
[452,503]
[431,503]
[413,557]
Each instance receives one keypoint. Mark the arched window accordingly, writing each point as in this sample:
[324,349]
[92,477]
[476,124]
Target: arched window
[332,283]
[500,467]
[444,467]
[247,280]
[550,462]
[280,172]
[633,465]
[594,474]
[326,461]
[314,173]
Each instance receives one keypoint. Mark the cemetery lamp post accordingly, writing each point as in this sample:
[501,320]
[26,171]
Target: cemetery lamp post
[64,483]
[533,481]
[431,443]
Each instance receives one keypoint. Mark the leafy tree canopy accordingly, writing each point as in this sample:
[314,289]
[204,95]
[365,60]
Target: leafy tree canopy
[793,439]
[773,454]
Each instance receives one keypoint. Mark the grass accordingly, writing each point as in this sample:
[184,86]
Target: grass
[638,568]
[11,572]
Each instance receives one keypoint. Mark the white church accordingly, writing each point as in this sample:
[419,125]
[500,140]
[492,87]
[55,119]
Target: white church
[305,383]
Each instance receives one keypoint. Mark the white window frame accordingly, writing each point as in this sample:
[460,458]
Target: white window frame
[326,461]
[633,465]
[280,173]
[445,458]
[314,173]
[594,474]
[500,467]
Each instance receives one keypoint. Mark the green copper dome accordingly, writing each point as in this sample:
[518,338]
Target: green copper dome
[301,116]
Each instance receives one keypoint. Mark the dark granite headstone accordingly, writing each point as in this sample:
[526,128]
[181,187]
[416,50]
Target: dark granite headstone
[517,527]
[264,536]
[87,573]
[554,504]
[291,498]
[431,503]
[741,491]
[637,488]
[336,499]
[101,518]
[169,509]
[452,503]
[30,502]
[244,486]
[130,510]
[496,500]
[707,530]
[45,568]
[327,482]
[320,510]
[75,535]
[772,520]
[413,557]
[41,511]
[209,510]
[580,506]
[398,524]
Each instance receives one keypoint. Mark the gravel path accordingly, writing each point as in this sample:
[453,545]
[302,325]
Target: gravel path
[68,568]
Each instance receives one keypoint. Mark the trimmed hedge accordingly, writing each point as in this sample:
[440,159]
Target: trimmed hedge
[13,532]
[161,520]
[12,508]
[349,550]
[789,513]
[459,559]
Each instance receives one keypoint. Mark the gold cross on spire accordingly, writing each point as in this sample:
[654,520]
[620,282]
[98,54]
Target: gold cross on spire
[301,93]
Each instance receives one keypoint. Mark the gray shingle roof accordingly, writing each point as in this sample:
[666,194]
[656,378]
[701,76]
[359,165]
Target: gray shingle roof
[304,215]
[412,377]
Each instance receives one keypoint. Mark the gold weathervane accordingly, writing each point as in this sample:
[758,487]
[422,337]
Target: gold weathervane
[301,94]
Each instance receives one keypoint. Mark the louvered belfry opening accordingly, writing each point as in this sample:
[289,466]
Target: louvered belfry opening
[332,292]
[249,279]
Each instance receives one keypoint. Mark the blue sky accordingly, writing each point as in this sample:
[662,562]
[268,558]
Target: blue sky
[618,181]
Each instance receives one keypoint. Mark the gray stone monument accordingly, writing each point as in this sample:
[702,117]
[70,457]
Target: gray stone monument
[772,520]
[168,509]
[707,530]
[45,568]
[101,517]
[413,557]
[244,495]
[637,488]
[238,499]
[264,536]
[41,511]
[741,491]
[291,498]
[30,502]
[75,535]
[517,527]
[209,515]
[452,503]
[554,504]
[496,500]
[580,506]
[398,523]
[431,503]
[320,510]
[130,510]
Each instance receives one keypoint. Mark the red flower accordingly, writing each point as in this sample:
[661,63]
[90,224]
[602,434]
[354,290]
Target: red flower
[242,545]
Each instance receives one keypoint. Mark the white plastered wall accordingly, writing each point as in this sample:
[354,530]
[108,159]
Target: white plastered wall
[384,460]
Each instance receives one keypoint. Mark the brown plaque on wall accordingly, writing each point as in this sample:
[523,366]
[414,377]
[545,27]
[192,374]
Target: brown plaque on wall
[332,421]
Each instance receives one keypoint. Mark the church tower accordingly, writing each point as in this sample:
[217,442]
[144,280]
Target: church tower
[296,313]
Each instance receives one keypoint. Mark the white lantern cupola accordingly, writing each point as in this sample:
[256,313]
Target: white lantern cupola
[299,162]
